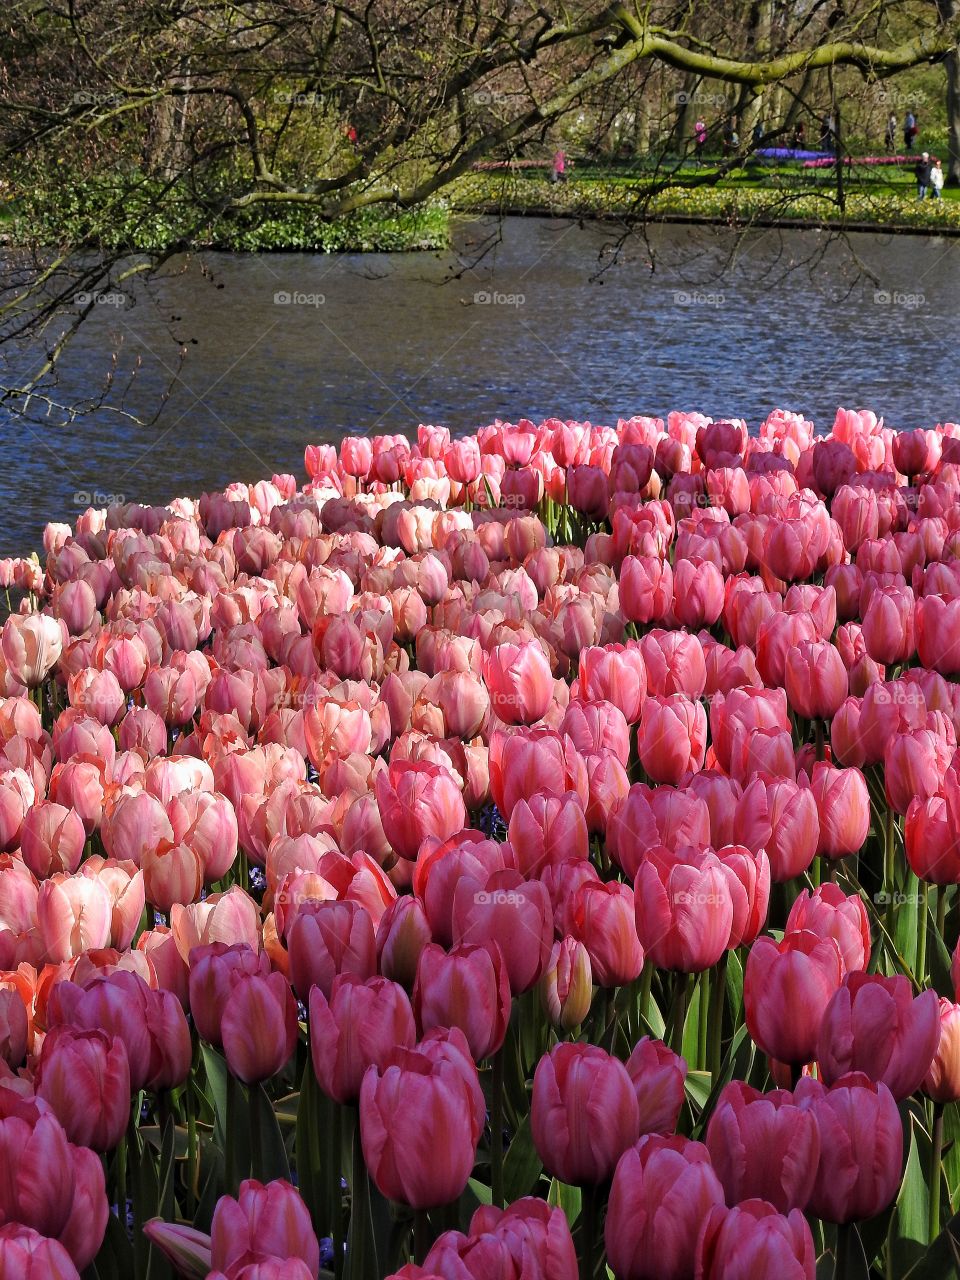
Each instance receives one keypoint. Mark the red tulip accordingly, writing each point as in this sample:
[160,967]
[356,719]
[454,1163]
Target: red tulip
[663,1189]
[753,1241]
[469,988]
[763,1143]
[786,989]
[874,1025]
[583,1113]
[930,841]
[526,1238]
[861,1146]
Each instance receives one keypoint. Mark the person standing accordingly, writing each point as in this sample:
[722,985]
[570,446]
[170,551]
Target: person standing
[700,138]
[936,179]
[910,130]
[921,171]
[891,131]
[559,171]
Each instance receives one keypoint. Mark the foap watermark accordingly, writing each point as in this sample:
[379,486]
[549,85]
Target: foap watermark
[888,96]
[289,99]
[697,298]
[87,98]
[699,99]
[490,98]
[895,298]
[897,899]
[491,298]
[684,898]
[498,898]
[283,298]
[96,498]
[97,299]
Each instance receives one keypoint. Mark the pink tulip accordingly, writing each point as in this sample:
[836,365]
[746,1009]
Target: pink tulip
[584,1113]
[420,1122]
[875,1026]
[263,1222]
[259,1026]
[672,737]
[754,1240]
[567,984]
[829,913]
[763,1144]
[85,1078]
[520,682]
[684,909]
[787,987]
[663,1190]
[861,1146]
[416,800]
[658,1075]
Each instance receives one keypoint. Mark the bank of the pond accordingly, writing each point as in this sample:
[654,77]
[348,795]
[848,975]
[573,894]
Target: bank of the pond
[726,205]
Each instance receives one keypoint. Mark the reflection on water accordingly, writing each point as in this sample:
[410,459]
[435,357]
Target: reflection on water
[530,318]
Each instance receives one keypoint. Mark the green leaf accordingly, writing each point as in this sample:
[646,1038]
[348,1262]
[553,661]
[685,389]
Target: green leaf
[480,1190]
[114,1261]
[942,1259]
[266,1138]
[521,1164]
[908,1229]
[566,1198]
[734,986]
[906,926]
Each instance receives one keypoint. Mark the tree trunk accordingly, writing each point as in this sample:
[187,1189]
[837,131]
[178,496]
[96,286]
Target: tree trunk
[946,9]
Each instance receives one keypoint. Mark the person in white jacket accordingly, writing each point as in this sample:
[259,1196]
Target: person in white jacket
[936,179]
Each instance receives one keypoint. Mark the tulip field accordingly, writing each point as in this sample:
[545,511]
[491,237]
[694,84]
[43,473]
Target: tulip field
[525,856]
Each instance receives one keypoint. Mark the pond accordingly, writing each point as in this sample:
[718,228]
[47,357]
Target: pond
[524,317]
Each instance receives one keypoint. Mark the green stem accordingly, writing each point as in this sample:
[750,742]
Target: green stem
[496,1130]
[421,1235]
[588,1232]
[679,1011]
[359,1210]
[122,1181]
[702,1022]
[193,1164]
[941,908]
[337,1199]
[718,994]
[889,867]
[646,981]
[922,933]
[936,1172]
[230,1153]
[819,737]
[255,1097]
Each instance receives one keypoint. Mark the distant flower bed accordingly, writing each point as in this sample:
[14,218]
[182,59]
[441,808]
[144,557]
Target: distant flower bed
[825,161]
